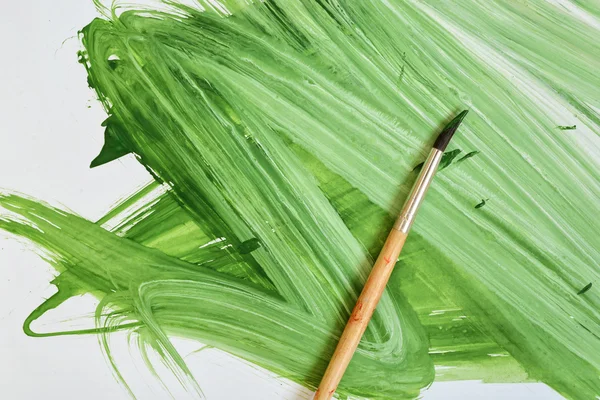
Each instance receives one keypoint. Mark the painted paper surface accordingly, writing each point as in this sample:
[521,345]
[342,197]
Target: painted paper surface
[284,137]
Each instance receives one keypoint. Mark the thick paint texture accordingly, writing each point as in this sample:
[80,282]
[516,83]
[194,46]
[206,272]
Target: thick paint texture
[283,136]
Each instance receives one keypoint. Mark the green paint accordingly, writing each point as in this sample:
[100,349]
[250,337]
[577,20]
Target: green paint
[467,156]
[284,136]
[112,148]
[567,127]
[482,203]
[249,246]
[447,158]
[585,288]
[419,166]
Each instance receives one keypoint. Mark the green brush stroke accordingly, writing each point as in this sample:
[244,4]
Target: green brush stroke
[295,125]
[567,127]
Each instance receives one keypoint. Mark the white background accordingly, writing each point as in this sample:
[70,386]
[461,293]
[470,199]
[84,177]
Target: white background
[50,131]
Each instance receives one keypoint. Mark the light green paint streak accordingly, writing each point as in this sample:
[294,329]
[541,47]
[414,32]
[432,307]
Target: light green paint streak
[285,135]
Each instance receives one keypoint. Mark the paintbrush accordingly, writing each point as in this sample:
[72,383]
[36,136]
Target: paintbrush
[379,276]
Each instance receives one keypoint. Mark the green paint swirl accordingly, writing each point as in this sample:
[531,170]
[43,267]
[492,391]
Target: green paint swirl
[284,135]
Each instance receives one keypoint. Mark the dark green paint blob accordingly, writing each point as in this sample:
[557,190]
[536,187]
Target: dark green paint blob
[112,148]
[482,203]
[567,127]
[585,288]
[447,158]
[468,155]
[249,246]
[419,166]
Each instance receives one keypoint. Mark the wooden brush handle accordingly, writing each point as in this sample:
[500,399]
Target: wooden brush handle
[361,315]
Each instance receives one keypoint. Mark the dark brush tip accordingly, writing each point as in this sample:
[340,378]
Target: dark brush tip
[444,137]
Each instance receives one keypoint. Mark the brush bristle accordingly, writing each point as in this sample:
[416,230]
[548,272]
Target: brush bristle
[444,138]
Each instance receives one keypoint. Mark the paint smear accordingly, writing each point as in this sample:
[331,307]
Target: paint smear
[567,127]
[282,137]
[482,203]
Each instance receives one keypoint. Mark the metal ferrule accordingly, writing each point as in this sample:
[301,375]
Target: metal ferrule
[417,193]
